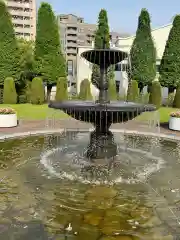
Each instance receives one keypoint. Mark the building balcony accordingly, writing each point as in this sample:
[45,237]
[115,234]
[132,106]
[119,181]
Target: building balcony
[23,30]
[20,13]
[22,21]
[72,37]
[18,4]
[71,44]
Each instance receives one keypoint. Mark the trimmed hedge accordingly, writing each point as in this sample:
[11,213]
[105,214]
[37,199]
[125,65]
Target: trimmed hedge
[9,93]
[176,102]
[155,97]
[85,90]
[112,89]
[61,89]
[133,92]
[37,91]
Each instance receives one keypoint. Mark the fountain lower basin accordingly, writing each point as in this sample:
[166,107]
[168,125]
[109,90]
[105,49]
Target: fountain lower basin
[49,186]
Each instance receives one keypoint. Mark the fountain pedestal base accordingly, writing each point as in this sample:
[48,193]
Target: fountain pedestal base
[101,145]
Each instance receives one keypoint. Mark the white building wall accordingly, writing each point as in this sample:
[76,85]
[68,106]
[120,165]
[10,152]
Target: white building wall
[160,36]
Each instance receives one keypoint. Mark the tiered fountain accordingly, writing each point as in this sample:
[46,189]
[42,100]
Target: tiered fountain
[102,113]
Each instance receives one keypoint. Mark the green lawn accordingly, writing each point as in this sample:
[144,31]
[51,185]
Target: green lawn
[164,113]
[40,112]
[35,112]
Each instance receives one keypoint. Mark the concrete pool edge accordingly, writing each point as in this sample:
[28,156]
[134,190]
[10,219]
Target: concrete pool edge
[126,132]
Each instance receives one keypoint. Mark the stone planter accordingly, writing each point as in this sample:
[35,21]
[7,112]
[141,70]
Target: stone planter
[174,123]
[8,120]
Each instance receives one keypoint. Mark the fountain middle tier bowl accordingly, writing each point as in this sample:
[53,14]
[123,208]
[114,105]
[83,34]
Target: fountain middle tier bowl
[113,112]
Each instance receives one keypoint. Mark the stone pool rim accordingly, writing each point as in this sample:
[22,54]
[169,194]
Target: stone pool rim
[60,131]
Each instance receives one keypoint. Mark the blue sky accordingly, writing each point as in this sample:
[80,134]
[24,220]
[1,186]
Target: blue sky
[122,14]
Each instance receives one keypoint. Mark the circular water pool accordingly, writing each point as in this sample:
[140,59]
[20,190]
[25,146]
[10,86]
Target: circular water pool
[48,189]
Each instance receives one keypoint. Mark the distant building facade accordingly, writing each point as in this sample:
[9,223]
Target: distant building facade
[23,13]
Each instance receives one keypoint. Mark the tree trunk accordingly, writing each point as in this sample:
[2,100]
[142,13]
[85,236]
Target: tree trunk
[141,86]
[149,88]
[171,89]
[49,88]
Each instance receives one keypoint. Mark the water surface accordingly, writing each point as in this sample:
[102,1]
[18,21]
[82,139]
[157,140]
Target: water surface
[46,185]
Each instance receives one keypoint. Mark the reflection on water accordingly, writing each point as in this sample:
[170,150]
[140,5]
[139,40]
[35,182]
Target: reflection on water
[48,192]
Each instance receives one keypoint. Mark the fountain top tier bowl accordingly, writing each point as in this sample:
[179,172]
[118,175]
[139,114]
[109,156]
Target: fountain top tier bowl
[104,57]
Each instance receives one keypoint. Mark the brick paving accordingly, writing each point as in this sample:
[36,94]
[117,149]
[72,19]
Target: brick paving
[50,124]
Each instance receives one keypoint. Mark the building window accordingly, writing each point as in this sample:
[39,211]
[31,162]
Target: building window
[81,30]
[70,67]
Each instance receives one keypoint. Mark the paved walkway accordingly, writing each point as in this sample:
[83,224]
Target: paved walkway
[29,126]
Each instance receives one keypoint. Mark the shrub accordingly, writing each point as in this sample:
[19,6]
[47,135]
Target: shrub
[155,96]
[112,89]
[170,99]
[175,114]
[37,91]
[176,102]
[144,98]
[7,111]
[133,92]
[9,93]
[61,89]
[22,99]
[85,90]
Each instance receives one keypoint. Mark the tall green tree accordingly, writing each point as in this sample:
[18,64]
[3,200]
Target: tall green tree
[170,63]
[176,102]
[102,39]
[26,64]
[49,59]
[9,54]
[143,53]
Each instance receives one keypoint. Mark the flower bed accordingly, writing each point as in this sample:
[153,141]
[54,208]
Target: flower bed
[8,118]
[174,121]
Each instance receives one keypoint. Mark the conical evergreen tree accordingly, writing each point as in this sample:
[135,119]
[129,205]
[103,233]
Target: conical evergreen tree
[143,53]
[9,54]
[102,39]
[49,59]
[170,63]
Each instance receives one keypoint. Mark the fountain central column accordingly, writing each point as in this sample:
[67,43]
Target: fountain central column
[103,86]
[101,139]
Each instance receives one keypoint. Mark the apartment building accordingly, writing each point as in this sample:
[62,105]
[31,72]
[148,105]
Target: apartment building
[74,33]
[23,13]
